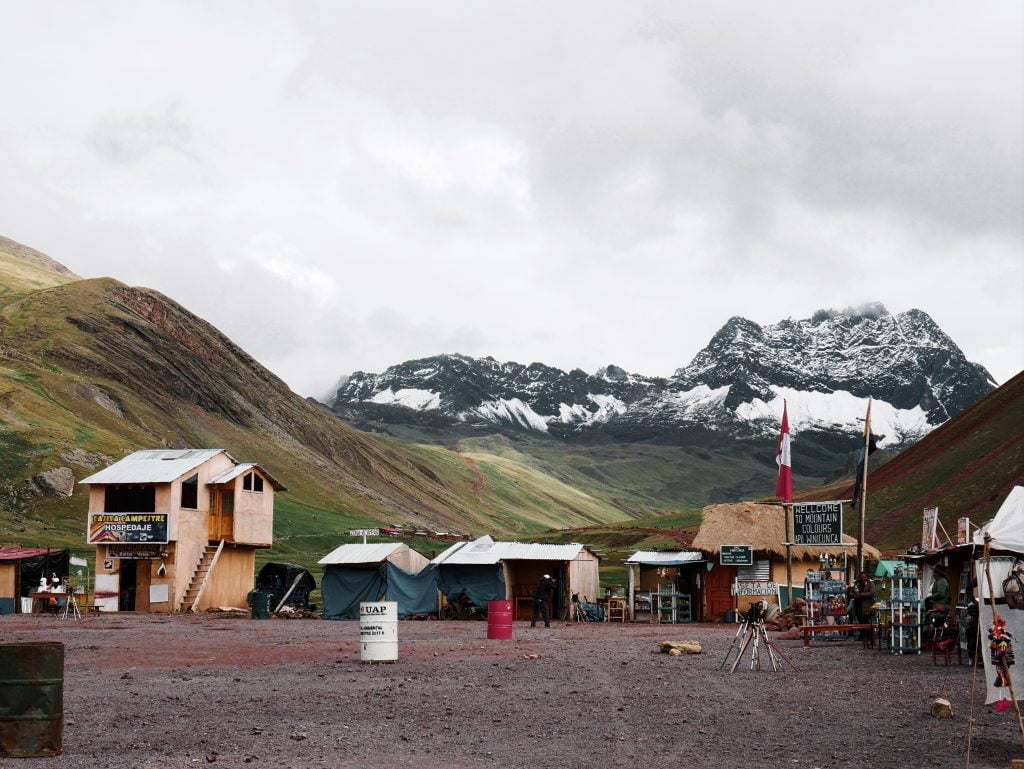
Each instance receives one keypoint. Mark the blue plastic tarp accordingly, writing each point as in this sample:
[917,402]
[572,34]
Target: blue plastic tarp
[345,587]
[481,583]
[415,593]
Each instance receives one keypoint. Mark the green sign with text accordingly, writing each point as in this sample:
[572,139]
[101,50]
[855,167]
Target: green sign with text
[736,555]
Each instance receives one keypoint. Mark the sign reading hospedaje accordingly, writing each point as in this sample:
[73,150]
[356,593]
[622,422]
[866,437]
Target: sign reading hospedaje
[114,528]
[818,523]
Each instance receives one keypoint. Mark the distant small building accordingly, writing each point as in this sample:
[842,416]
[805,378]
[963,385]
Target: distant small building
[177,530]
[651,570]
[21,568]
[487,570]
[386,571]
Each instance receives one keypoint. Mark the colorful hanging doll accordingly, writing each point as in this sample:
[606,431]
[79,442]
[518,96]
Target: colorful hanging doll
[1001,644]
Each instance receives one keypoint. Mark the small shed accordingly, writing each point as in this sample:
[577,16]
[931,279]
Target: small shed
[763,528]
[682,572]
[390,571]
[488,570]
[21,568]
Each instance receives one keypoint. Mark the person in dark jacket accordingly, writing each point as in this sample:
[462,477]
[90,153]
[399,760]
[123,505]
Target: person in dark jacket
[863,600]
[545,587]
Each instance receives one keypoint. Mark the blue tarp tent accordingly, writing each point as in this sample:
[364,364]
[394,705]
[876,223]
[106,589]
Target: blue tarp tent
[481,583]
[354,574]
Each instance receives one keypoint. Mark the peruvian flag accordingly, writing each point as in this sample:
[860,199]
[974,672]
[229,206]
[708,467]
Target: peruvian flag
[784,487]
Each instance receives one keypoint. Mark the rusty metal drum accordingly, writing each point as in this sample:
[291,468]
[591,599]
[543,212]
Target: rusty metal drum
[31,699]
[499,620]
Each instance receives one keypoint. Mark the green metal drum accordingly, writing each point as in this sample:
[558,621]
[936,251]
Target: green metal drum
[31,699]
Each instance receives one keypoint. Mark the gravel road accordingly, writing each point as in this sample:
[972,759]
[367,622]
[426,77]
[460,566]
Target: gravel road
[158,691]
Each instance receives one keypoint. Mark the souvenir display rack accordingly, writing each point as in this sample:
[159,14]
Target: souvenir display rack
[670,606]
[642,607]
[825,597]
[905,605]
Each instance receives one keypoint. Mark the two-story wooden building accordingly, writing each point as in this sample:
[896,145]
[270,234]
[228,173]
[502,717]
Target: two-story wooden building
[177,530]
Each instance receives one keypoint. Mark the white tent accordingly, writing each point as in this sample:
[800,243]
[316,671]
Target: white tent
[1006,532]
[1007,528]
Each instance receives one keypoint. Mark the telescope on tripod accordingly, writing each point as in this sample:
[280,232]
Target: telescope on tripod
[752,633]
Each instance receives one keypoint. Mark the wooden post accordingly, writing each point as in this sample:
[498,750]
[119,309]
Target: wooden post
[787,510]
[864,490]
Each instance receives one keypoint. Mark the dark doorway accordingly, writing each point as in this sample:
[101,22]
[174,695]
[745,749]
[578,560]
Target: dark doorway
[128,573]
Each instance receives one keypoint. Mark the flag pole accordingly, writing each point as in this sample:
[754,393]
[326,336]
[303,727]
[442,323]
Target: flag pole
[864,489]
[788,510]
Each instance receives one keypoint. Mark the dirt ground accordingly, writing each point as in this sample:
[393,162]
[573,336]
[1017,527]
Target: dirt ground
[155,691]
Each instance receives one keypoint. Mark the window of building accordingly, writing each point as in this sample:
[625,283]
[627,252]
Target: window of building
[252,482]
[129,498]
[759,571]
[190,492]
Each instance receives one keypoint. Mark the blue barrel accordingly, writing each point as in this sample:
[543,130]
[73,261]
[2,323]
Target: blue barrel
[31,699]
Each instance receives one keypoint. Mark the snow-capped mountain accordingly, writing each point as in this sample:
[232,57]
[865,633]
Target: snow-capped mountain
[824,367]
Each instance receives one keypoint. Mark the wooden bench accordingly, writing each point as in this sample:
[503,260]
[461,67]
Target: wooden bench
[869,641]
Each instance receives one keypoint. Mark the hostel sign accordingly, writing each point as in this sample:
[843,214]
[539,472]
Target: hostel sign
[818,523]
[114,528]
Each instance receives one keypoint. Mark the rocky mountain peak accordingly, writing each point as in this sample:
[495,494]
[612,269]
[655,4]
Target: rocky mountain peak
[829,363]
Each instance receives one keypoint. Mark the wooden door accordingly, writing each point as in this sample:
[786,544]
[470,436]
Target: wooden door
[222,514]
[718,592]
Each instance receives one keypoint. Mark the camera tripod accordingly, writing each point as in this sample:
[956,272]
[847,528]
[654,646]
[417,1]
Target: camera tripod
[752,629]
[70,608]
[577,614]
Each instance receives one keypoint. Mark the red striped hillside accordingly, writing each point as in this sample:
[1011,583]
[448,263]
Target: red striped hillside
[965,468]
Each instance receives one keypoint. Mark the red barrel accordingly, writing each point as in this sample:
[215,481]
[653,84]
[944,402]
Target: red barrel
[499,620]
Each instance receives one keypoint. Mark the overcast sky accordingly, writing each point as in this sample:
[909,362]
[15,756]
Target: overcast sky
[343,186]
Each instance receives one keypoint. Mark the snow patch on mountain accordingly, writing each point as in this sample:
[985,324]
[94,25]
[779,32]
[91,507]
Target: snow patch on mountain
[411,398]
[511,410]
[579,414]
[838,411]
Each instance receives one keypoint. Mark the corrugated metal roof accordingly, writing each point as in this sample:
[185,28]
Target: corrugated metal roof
[485,551]
[153,466]
[17,553]
[669,558]
[354,553]
[231,474]
[443,556]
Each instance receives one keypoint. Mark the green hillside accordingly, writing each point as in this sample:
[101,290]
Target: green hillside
[93,369]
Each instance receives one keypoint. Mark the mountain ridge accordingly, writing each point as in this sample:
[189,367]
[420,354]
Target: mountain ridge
[914,371]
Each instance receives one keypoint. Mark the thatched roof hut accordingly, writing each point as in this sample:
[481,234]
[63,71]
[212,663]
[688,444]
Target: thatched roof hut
[763,527]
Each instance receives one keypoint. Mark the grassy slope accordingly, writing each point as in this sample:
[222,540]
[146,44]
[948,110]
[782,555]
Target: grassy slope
[90,370]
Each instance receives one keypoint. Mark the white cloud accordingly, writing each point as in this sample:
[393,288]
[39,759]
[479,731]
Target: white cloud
[578,183]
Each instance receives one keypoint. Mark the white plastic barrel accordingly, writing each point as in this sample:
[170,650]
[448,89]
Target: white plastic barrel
[378,631]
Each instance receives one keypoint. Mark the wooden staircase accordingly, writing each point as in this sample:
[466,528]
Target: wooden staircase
[201,576]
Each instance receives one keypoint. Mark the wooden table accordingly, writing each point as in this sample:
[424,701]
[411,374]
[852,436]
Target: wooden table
[38,599]
[808,630]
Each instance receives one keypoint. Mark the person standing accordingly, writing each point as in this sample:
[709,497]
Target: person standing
[863,600]
[545,587]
